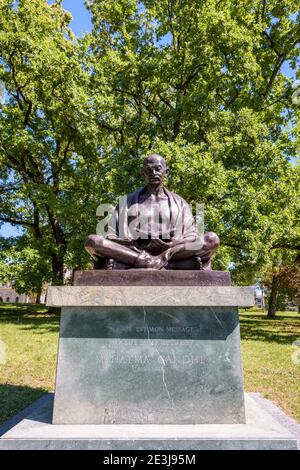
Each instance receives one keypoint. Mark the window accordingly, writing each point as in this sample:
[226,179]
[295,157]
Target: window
[17,299]
[7,299]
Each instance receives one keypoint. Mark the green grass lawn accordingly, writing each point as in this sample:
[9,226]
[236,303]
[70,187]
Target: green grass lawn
[269,358]
[30,333]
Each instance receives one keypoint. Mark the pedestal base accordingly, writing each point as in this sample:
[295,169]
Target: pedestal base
[149,365]
[261,432]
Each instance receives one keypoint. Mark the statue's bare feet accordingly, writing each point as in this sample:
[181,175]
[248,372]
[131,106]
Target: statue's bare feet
[146,261]
[158,262]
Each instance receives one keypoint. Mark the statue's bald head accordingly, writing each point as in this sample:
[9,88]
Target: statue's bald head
[154,169]
[155,158]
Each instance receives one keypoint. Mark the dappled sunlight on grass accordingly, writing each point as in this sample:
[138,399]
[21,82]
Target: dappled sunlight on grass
[30,335]
[38,318]
[267,348]
[284,330]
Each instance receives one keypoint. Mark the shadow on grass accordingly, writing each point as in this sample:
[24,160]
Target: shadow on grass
[37,317]
[282,330]
[13,400]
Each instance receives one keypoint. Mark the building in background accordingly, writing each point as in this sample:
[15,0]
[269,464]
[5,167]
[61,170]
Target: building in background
[8,294]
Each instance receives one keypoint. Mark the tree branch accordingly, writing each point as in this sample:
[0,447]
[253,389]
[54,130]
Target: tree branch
[13,221]
[165,101]
[281,58]
[191,76]
[275,71]
[232,245]
[28,112]
[65,154]
[286,246]
[19,92]
[56,228]
[36,223]
[265,33]
[146,105]
[10,188]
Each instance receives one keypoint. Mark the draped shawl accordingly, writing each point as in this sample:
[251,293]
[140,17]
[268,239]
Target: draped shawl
[182,223]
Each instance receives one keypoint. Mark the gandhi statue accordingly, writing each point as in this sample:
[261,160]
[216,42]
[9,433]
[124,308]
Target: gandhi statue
[152,228]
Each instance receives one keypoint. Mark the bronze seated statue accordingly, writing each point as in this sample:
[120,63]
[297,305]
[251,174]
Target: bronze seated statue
[165,235]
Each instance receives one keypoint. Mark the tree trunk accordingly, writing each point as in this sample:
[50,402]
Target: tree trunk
[58,255]
[273,298]
[262,288]
[57,269]
[38,298]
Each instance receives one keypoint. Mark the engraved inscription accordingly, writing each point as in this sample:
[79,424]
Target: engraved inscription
[168,329]
[107,359]
[151,329]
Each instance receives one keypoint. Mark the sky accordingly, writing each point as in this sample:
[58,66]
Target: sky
[81,16]
[81,24]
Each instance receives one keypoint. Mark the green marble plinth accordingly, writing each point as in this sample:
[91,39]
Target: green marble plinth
[149,365]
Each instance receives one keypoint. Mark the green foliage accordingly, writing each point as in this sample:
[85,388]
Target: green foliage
[200,82]
[48,139]
[24,267]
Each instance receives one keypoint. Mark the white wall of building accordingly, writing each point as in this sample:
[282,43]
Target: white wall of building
[9,295]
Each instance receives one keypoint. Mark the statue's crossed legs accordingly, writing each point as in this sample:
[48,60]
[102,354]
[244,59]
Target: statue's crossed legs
[120,254]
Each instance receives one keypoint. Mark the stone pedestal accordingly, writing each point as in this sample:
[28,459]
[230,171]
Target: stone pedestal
[36,432]
[147,277]
[149,365]
[149,355]
[153,368]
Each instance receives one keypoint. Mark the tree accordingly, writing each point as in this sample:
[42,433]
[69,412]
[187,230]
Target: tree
[23,266]
[46,126]
[201,82]
[282,280]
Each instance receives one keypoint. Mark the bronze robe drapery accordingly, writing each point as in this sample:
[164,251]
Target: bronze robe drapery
[182,225]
